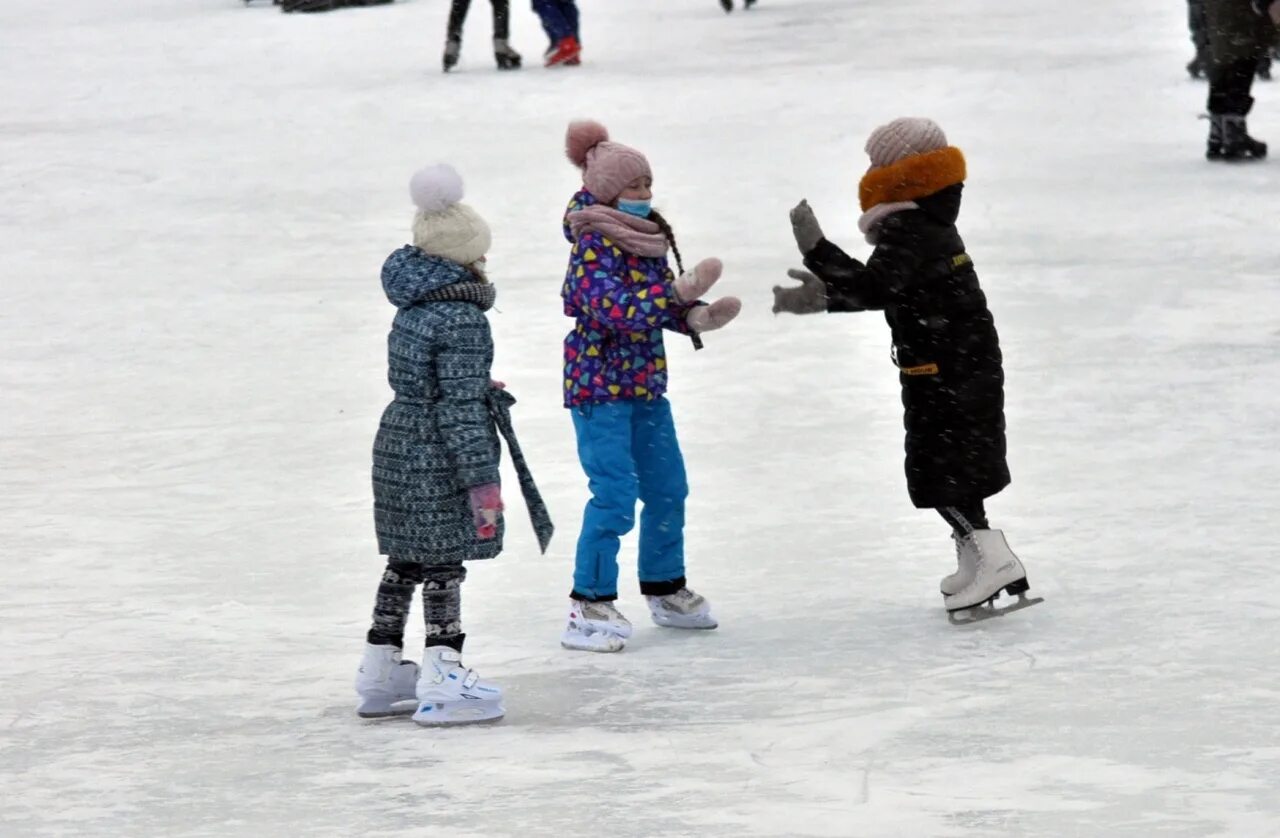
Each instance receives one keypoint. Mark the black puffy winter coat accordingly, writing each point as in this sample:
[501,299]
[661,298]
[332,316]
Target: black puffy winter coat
[944,344]
[1238,30]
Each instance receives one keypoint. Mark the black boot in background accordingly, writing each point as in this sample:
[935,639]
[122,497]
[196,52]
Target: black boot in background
[1237,145]
[1214,149]
[311,5]
[507,58]
[452,50]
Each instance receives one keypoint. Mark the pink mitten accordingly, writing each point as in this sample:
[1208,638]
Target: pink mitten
[715,316]
[486,505]
[693,284]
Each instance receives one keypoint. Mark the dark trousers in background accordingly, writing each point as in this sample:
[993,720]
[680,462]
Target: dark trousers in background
[501,18]
[1230,86]
[559,19]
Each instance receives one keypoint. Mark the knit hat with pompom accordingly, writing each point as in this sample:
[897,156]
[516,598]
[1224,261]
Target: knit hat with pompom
[443,226]
[607,167]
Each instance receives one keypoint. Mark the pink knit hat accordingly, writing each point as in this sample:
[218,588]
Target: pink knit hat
[902,138]
[607,167]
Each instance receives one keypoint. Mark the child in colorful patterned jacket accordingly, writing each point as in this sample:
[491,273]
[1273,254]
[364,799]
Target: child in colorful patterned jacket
[622,295]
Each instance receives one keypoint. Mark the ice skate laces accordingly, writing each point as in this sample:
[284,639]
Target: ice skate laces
[602,612]
[686,600]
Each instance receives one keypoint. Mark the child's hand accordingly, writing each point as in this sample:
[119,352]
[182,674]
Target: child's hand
[715,316]
[497,385]
[692,285]
[809,298]
[486,506]
[805,227]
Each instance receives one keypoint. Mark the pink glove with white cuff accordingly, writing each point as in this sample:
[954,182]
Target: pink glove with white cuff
[486,506]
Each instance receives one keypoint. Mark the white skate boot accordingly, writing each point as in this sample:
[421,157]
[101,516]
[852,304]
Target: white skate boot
[966,565]
[997,571]
[385,683]
[595,627]
[683,610]
[451,694]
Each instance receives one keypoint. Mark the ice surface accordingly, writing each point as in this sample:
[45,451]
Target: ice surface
[195,199]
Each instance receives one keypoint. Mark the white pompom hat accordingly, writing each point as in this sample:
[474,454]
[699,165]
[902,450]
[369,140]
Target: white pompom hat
[444,226]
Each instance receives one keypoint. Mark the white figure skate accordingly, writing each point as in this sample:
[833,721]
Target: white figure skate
[997,571]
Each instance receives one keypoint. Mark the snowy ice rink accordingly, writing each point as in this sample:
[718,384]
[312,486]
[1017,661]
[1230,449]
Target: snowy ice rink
[195,200]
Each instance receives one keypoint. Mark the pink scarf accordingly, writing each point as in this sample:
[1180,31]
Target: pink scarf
[634,235]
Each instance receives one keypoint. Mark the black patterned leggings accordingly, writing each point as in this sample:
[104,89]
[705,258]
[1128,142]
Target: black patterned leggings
[965,518]
[441,601]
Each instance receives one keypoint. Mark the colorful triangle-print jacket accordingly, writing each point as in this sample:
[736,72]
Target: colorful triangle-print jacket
[620,303]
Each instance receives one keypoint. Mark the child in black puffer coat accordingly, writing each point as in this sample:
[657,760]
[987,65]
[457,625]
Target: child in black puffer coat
[944,340]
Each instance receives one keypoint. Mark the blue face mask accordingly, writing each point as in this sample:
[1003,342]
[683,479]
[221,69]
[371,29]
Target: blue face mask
[640,209]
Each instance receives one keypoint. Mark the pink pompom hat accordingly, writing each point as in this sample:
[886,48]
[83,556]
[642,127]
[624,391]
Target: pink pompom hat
[607,167]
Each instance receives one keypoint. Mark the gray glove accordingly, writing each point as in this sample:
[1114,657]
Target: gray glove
[805,227]
[809,298]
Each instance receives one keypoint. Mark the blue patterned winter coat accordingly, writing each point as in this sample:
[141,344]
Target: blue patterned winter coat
[438,437]
[620,303]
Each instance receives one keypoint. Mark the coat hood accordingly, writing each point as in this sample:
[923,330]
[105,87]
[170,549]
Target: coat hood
[409,275]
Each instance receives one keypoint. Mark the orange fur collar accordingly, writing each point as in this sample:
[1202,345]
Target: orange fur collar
[912,177]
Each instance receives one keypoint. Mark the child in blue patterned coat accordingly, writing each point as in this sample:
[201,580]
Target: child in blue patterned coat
[437,501]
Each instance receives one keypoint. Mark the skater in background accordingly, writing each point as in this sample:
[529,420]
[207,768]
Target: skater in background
[437,499]
[1240,34]
[506,57]
[325,5]
[727,5]
[622,294]
[560,22]
[1198,67]
[944,340]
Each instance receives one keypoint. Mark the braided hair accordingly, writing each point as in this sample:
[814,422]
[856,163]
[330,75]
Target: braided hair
[665,227]
[670,234]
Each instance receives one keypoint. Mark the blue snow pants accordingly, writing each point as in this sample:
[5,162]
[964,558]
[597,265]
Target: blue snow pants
[629,451]
[559,18]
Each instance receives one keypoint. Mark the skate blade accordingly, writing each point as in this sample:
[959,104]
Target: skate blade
[689,626]
[599,641]
[472,713]
[386,709]
[986,611]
